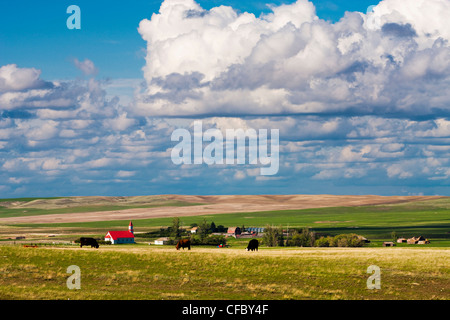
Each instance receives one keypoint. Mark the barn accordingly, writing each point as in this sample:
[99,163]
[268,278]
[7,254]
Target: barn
[234,231]
[118,237]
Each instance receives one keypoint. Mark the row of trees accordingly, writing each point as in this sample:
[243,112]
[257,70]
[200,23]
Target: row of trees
[203,229]
[273,236]
[341,240]
[203,235]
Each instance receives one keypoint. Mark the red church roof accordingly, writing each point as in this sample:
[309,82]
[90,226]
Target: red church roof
[119,234]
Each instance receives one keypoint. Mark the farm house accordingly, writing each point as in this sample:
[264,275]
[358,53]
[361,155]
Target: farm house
[118,237]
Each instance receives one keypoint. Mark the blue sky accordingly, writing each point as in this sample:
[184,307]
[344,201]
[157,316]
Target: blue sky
[360,98]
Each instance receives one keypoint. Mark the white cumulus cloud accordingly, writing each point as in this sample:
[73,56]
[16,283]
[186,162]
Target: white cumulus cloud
[221,62]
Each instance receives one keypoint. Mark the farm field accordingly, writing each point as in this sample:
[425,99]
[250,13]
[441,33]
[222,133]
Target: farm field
[16,209]
[430,218]
[95,209]
[143,272]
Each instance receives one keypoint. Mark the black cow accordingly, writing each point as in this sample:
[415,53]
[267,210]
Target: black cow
[252,245]
[184,243]
[88,242]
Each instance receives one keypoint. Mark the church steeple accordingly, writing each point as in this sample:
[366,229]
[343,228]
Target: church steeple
[130,227]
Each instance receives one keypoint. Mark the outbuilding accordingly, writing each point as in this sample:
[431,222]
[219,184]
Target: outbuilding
[162,241]
[418,240]
[194,230]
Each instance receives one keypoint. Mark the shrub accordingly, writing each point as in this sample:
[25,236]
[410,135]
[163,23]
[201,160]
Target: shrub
[211,240]
[221,228]
[103,242]
[214,240]
[324,242]
[341,240]
[304,239]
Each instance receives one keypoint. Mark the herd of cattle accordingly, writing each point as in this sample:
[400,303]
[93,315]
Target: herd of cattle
[184,243]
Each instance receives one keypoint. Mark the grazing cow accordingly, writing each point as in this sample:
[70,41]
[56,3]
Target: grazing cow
[252,245]
[88,242]
[185,243]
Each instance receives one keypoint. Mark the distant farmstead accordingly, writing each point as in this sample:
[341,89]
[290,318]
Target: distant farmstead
[118,237]
[418,240]
[234,231]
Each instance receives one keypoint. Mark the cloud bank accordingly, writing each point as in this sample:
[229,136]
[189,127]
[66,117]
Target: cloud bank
[393,61]
[362,105]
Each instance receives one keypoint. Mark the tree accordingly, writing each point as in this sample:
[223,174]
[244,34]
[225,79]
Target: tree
[341,240]
[280,237]
[304,239]
[203,229]
[213,228]
[309,237]
[394,236]
[324,242]
[175,229]
[273,236]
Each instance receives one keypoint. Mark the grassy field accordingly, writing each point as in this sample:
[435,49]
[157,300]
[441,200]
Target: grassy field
[144,272]
[141,271]
[428,218]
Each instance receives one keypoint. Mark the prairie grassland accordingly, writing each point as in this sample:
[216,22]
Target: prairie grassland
[143,272]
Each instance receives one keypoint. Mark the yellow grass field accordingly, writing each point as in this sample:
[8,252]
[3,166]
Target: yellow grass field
[148,272]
